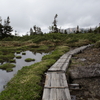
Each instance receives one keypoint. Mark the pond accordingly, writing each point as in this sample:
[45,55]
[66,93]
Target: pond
[6,76]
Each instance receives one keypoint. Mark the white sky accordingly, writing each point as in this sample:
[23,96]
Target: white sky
[24,14]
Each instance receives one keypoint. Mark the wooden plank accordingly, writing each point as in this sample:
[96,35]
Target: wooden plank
[65,67]
[56,94]
[65,56]
[46,94]
[63,94]
[56,87]
[61,64]
[56,67]
[61,60]
[55,80]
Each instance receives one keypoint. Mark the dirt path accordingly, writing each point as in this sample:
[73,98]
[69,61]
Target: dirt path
[85,71]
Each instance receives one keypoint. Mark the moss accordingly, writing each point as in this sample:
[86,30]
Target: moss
[6,57]
[9,69]
[18,57]
[7,66]
[23,53]
[18,52]
[29,59]
[12,60]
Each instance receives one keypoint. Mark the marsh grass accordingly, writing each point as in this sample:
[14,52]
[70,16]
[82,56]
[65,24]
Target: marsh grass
[6,58]
[97,44]
[42,48]
[26,85]
[18,52]
[29,59]
[23,53]
[7,66]
[12,61]
[18,57]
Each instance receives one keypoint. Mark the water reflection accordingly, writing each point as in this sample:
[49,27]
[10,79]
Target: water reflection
[6,76]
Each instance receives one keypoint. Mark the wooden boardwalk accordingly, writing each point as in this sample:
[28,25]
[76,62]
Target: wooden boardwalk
[56,86]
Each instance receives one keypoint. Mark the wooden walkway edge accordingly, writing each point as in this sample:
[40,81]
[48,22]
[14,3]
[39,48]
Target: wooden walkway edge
[56,86]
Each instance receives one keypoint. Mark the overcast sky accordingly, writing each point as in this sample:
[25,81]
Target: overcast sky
[24,14]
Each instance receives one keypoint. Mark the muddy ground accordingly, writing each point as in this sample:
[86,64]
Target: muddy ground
[85,71]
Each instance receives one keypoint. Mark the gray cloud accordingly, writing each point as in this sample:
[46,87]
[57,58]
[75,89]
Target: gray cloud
[24,14]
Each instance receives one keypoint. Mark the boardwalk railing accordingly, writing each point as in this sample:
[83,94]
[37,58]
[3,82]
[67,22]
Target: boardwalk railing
[56,86]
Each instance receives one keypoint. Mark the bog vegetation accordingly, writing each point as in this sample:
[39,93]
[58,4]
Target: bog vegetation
[28,83]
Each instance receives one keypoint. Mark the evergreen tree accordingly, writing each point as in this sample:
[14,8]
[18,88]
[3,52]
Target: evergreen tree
[1,27]
[55,24]
[1,30]
[77,31]
[31,31]
[34,28]
[7,29]
[65,32]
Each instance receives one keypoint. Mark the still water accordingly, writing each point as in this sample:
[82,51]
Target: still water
[6,76]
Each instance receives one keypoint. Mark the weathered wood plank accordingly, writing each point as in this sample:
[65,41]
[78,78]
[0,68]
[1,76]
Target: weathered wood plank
[56,87]
[54,80]
[56,94]
[61,64]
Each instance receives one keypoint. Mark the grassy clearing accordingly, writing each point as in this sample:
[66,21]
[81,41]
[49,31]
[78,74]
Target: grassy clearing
[26,85]
[7,67]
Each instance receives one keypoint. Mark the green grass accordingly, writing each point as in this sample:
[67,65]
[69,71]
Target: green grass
[7,66]
[42,48]
[18,52]
[18,57]
[23,53]
[29,59]
[6,58]
[12,60]
[26,85]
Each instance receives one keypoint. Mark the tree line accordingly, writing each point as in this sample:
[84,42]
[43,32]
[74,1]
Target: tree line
[5,28]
